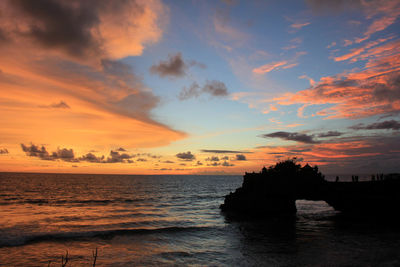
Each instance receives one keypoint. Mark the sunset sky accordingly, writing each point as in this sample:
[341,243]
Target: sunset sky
[199,87]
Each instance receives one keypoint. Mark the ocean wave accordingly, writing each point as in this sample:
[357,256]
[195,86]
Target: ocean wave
[48,201]
[11,201]
[7,241]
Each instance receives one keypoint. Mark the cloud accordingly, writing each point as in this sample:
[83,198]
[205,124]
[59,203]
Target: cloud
[218,151]
[90,157]
[190,92]
[298,137]
[64,154]
[374,90]
[360,50]
[174,66]
[331,45]
[213,88]
[188,156]
[299,25]
[148,155]
[121,149]
[61,105]
[269,67]
[376,153]
[168,161]
[55,24]
[41,152]
[3,151]
[354,52]
[212,159]
[84,29]
[240,157]
[311,81]
[378,25]
[383,13]
[330,134]
[68,155]
[227,164]
[36,151]
[109,101]
[115,157]
[300,150]
[284,64]
[384,125]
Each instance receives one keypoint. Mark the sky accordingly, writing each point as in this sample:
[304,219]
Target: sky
[199,87]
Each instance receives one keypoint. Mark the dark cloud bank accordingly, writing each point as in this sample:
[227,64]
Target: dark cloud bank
[174,66]
[384,125]
[304,138]
[188,156]
[240,157]
[67,25]
[330,134]
[213,88]
[68,155]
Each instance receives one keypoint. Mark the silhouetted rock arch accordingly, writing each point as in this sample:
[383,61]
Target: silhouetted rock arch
[275,190]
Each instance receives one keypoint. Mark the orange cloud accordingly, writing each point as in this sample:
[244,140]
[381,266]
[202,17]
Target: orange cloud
[312,82]
[72,93]
[269,67]
[354,52]
[369,92]
[388,10]
[284,64]
[357,53]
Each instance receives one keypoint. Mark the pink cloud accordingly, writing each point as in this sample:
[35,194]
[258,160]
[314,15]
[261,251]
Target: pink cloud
[299,25]
[312,82]
[354,52]
[289,66]
[372,91]
[284,64]
[269,67]
[388,10]
[357,51]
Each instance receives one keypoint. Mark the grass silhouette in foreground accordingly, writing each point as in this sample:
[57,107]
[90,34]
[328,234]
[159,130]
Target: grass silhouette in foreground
[65,260]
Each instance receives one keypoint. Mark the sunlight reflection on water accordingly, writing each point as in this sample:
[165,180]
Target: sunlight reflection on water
[170,220]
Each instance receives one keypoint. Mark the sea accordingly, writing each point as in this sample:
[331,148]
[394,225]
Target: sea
[173,220]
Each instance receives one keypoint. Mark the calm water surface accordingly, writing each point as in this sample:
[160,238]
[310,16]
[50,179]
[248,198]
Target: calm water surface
[172,220]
